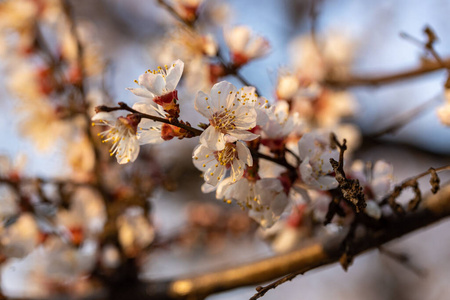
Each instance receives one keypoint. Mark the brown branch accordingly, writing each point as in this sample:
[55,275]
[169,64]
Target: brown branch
[124,106]
[351,190]
[230,69]
[175,14]
[361,80]
[280,161]
[407,117]
[435,208]
[297,158]
[439,64]
[412,182]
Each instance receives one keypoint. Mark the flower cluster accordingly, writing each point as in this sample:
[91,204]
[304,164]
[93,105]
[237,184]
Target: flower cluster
[158,88]
[318,106]
[284,160]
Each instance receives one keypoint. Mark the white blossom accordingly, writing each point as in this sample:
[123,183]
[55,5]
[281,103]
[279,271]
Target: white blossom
[265,198]
[149,131]
[187,45]
[19,238]
[86,216]
[315,60]
[52,264]
[159,82]
[135,230]
[287,86]
[215,163]
[80,157]
[326,109]
[244,46]
[248,95]
[229,115]
[9,202]
[315,153]
[280,122]
[122,133]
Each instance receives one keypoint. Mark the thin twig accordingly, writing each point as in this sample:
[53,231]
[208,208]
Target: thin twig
[403,260]
[230,70]
[280,161]
[428,45]
[299,161]
[351,190]
[407,117]
[412,182]
[124,106]
[175,14]
[313,14]
[262,290]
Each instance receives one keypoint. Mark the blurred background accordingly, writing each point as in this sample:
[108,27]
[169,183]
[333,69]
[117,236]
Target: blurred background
[130,36]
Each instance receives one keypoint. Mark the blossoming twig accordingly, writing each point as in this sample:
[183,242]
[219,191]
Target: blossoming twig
[228,67]
[232,70]
[124,106]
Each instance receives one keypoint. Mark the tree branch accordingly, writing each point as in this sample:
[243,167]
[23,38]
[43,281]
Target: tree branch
[124,106]
[435,208]
[360,80]
[406,117]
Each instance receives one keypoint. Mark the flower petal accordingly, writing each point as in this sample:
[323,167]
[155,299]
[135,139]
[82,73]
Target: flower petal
[105,117]
[212,138]
[237,38]
[155,83]
[222,189]
[202,104]
[244,153]
[245,117]
[128,150]
[237,170]
[221,94]
[243,135]
[207,188]
[149,136]
[141,92]
[214,174]
[174,75]
[325,183]
[200,156]
[306,146]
